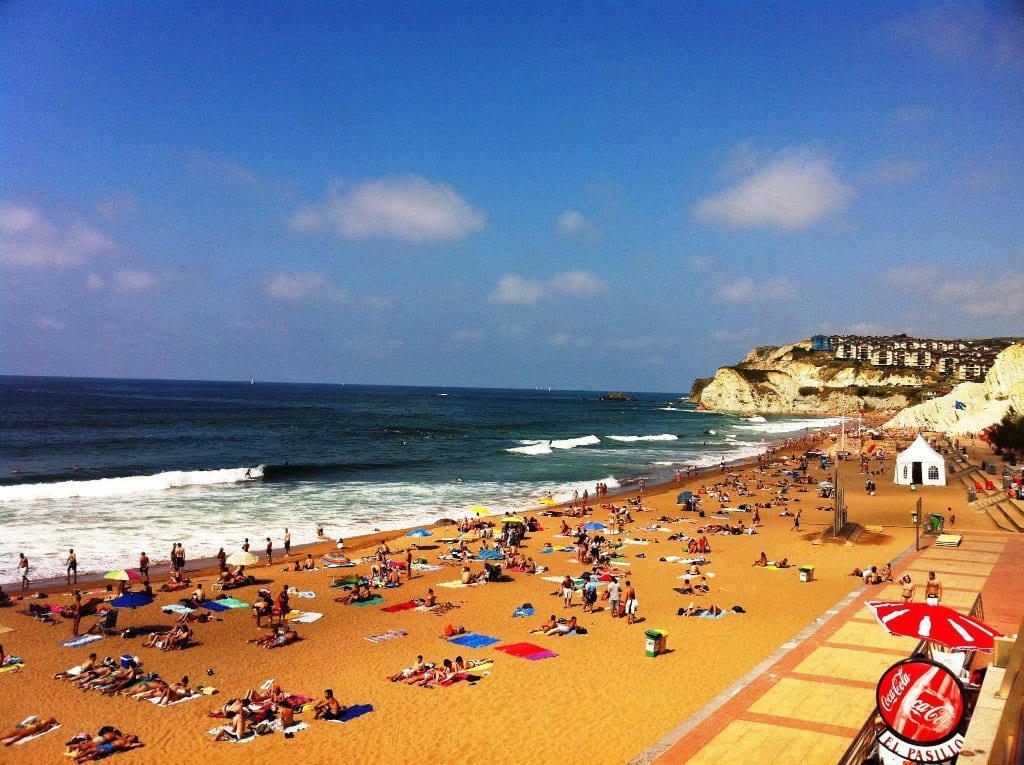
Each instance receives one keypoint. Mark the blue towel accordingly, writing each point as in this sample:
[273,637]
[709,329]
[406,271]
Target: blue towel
[354,711]
[474,640]
[523,612]
[213,605]
[81,640]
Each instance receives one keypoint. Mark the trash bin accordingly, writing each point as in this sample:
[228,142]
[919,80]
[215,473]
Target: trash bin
[936,522]
[972,495]
[655,642]
[806,573]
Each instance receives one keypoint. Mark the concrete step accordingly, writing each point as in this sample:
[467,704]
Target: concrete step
[1013,513]
[999,519]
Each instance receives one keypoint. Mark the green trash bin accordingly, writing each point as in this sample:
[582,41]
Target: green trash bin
[936,522]
[806,573]
[655,642]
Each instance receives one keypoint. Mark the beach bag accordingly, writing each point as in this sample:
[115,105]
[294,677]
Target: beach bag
[449,630]
[604,595]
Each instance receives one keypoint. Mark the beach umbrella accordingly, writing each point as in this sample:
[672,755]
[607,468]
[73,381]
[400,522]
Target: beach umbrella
[242,558]
[595,526]
[419,533]
[512,519]
[826,485]
[683,496]
[132,600]
[938,624]
[548,501]
[122,575]
[479,510]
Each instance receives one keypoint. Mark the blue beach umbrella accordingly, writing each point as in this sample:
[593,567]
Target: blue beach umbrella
[683,496]
[595,526]
[419,533]
[132,600]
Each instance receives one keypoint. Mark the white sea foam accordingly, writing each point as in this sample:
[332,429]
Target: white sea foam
[756,418]
[118,487]
[790,426]
[661,437]
[536,448]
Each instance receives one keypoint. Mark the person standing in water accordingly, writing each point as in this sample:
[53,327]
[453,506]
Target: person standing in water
[72,567]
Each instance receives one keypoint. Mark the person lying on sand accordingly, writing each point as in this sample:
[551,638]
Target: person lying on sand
[694,610]
[87,668]
[360,594]
[443,674]
[30,727]
[550,624]
[276,639]
[109,743]
[416,670]
[563,627]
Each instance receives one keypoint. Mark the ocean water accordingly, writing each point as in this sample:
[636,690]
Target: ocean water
[114,467]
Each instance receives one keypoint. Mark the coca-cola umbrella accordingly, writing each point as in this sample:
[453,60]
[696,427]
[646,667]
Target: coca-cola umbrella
[938,624]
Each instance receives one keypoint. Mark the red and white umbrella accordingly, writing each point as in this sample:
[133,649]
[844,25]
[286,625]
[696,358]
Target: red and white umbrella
[938,624]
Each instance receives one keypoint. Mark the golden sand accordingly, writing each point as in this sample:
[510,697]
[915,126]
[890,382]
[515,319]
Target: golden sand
[601,695]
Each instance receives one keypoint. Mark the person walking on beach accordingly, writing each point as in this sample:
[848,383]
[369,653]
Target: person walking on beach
[245,545]
[631,603]
[174,559]
[796,520]
[270,552]
[567,591]
[23,570]
[906,588]
[222,560]
[287,543]
[144,565]
[408,564]
[72,567]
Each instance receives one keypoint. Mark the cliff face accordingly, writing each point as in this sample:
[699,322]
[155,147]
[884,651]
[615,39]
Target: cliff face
[983,404]
[794,379]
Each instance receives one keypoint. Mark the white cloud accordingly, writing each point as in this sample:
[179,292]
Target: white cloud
[95,283]
[377,303]
[912,115]
[563,340]
[298,287]
[747,291]
[577,283]
[467,335]
[130,281]
[793,191]
[116,207]
[407,207]
[573,225]
[517,291]
[28,239]
[48,322]
[974,293]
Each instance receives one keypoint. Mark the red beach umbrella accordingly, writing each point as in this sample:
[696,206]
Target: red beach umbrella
[938,624]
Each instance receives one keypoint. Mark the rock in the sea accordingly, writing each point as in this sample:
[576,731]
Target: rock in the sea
[618,396]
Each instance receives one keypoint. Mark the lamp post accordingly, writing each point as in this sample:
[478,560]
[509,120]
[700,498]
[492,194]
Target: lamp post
[915,514]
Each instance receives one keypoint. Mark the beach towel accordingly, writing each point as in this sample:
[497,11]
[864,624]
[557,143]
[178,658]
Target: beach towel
[302,593]
[291,730]
[234,603]
[305,617]
[12,666]
[34,736]
[348,581]
[375,600]
[354,711]
[385,636]
[523,611]
[214,605]
[249,736]
[425,567]
[78,642]
[453,584]
[177,608]
[400,606]
[474,640]
[193,695]
[526,651]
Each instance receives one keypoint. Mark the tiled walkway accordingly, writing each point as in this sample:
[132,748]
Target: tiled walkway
[807,702]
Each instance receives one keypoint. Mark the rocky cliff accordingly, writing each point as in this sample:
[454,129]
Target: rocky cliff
[795,379]
[980,404]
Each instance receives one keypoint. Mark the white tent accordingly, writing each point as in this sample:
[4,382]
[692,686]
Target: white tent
[920,464]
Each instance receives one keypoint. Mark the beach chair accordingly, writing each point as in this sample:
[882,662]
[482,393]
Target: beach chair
[106,624]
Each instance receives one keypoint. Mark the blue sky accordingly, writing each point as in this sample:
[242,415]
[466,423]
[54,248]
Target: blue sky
[574,195]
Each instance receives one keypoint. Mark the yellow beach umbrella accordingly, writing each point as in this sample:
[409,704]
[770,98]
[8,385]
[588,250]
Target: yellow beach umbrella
[479,510]
[512,519]
[548,501]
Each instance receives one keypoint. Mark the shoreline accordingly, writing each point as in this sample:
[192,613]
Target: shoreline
[207,565]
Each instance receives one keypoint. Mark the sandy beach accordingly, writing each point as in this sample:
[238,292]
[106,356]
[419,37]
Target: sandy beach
[601,694]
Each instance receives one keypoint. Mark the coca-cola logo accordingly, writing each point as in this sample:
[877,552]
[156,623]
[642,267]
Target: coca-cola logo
[920,701]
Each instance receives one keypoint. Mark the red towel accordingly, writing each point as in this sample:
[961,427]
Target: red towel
[401,606]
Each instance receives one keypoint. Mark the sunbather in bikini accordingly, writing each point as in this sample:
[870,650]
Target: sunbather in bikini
[359,595]
[276,639]
[563,628]
[27,729]
[416,670]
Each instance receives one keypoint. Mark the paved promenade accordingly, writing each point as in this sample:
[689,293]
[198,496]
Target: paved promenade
[805,703]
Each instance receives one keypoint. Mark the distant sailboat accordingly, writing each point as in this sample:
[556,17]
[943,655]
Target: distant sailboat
[252,382]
